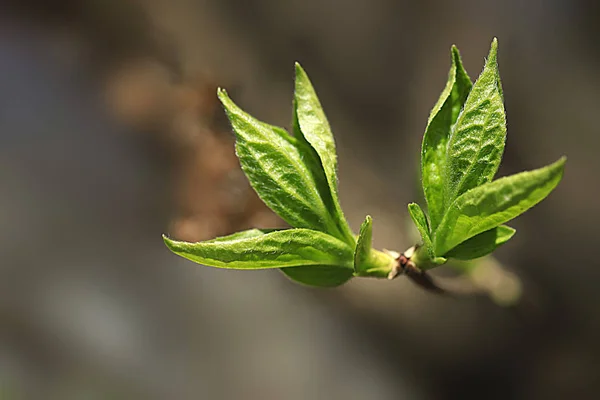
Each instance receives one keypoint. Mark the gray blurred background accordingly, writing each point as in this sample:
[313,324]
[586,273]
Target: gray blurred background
[110,135]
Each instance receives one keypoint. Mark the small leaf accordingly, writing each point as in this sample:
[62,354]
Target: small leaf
[433,152]
[318,275]
[368,261]
[278,171]
[495,203]
[482,244]
[363,244]
[276,249]
[312,126]
[477,140]
[420,220]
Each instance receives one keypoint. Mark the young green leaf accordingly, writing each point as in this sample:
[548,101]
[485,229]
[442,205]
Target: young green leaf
[477,140]
[368,261]
[276,249]
[482,244]
[311,125]
[495,203]
[363,244]
[420,220]
[314,164]
[433,151]
[319,275]
[280,173]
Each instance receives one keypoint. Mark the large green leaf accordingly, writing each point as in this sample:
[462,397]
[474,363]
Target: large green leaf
[311,125]
[319,275]
[495,203]
[281,174]
[477,140]
[276,249]
[482,244]
[435,140]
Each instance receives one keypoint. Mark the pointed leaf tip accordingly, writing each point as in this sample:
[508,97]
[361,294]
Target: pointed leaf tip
[222,94]
[299,70]
[493,55]
[455,52]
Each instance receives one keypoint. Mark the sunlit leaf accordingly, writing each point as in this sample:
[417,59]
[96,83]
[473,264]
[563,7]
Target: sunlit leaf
[311,126]
[495,203]
[477,140]
[482,244]
[435,140]
[275,249]
[280,173]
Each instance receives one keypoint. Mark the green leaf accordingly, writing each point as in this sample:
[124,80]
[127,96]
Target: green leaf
[420,220]
[482,244]
[319,275]
[281,174]
[311,125]
[367,260]
[363,244]
[435,140]
[477,140]
[276,249]
[495,203]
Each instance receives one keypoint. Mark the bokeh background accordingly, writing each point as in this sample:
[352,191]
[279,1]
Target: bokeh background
[110,135]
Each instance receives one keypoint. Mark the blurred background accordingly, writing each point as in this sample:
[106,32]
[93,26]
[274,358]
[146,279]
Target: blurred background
[110,135]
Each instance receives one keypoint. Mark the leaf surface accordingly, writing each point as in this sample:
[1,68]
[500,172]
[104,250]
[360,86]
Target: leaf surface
[363,244]
[495,203]
[311,126]
[482,244]
[282,175]
[477,140]
[420,221]
[435,140]
[276,249]
[319,275]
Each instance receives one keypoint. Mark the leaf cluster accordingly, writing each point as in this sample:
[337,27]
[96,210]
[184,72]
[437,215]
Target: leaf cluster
[296,176]
[461,152]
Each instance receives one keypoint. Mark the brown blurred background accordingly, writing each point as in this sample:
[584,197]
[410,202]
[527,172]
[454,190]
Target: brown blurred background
[110,135]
